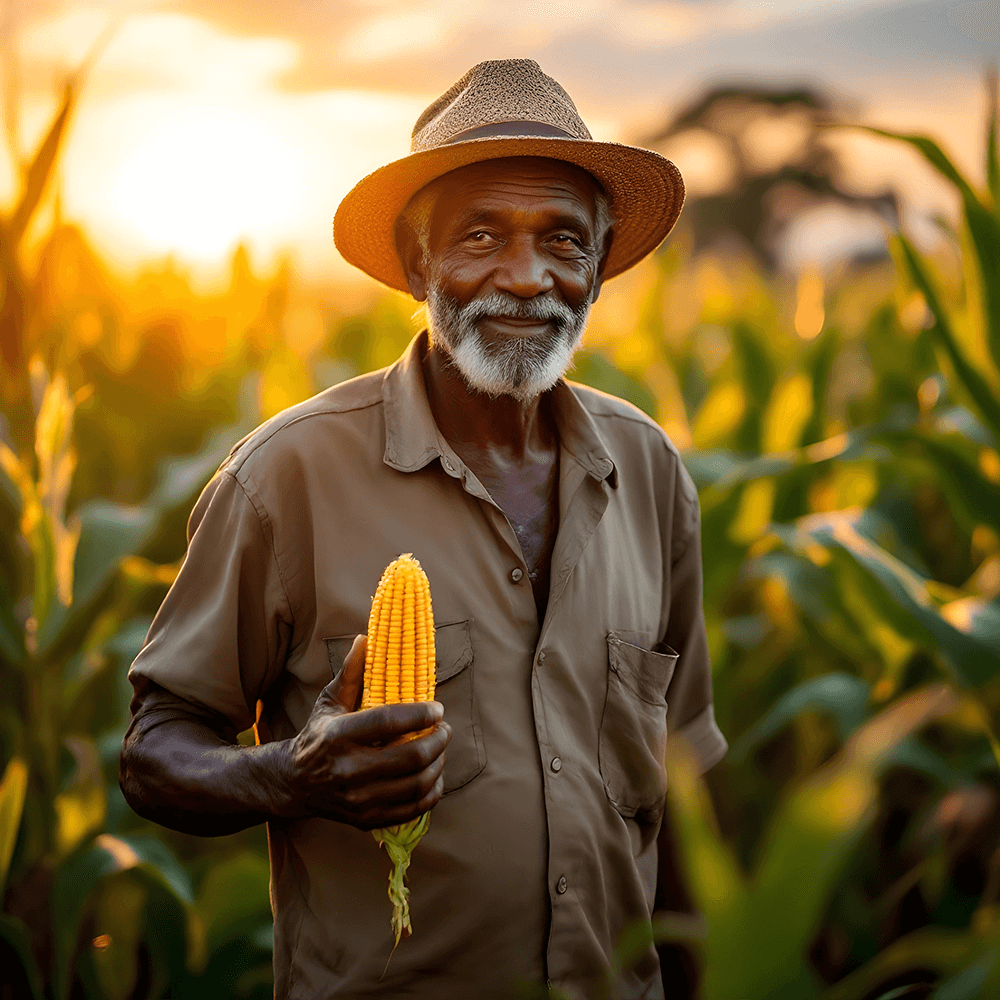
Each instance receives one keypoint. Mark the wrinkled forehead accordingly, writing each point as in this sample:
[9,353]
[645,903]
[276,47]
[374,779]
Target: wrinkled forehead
[539,176]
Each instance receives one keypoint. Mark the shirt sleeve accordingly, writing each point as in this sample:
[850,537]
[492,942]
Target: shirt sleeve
[222,633]
[689,696]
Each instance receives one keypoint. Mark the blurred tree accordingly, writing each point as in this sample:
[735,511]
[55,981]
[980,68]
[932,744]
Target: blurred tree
[760,158]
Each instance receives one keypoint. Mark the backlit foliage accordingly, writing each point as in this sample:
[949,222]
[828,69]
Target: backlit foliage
[843,430]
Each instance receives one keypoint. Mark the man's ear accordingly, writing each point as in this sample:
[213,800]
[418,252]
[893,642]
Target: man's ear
[599,280]
[411,259]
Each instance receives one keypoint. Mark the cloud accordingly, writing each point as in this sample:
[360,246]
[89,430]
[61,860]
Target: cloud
[159,49]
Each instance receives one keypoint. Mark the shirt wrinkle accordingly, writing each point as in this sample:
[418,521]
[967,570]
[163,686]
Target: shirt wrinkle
[264,518]
[262,435]
[543,848]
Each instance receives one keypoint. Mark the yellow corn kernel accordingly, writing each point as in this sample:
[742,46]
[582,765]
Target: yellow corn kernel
[420,640]
[373,620]
[394,651]
[431,651]
[399,667]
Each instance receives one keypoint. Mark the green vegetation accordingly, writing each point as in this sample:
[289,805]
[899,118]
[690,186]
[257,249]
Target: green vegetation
[844,436]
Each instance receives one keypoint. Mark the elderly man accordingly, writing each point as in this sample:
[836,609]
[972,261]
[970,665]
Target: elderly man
[560,534]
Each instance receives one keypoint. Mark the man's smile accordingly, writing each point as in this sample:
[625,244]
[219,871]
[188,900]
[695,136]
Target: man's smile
[513,327]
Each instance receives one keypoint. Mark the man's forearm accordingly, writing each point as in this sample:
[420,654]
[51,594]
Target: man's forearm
[184,776]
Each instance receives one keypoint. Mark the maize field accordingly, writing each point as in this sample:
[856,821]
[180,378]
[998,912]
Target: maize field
[843,429]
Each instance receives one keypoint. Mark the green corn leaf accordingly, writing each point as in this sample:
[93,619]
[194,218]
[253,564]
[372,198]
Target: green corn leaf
[968,984]
[10,493]
[119,913]
[841,696]
[12,791]
[181,478]
[83,872]
[16,937]
[967,637]
[716,471]
[234,897]
[992,159]
[934,155]
[819,365]
[804,851]
[160,862]
[43,165]
[912,754]
[43,550]
[955,463]
[979,390]
[108,533]
[984,225]
[56,464]
[37,530]
[12,649]
[817,828]
[942,951]
[41,169]
[758,381]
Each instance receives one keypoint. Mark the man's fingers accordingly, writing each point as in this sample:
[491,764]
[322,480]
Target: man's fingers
[352,677]
[385,724]
[394,815]
[402,760]
[345,690]
[388,792]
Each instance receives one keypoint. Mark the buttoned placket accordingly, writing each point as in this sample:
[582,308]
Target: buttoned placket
[585,481]
[456,468]
[583,499]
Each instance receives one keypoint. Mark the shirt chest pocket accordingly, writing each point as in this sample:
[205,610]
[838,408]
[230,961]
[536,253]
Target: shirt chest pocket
[633,734]
[466,753]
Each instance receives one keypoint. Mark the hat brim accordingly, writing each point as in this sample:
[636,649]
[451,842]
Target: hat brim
[646,191]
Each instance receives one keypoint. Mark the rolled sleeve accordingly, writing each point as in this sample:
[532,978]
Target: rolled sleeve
[689,696]
[222,632]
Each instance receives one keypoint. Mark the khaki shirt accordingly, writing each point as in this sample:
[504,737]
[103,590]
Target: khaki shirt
[543,848]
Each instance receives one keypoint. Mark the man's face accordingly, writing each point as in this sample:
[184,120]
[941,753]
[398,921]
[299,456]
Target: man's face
[512,267]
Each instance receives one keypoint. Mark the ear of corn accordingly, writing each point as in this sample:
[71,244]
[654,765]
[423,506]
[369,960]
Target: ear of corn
[399,667]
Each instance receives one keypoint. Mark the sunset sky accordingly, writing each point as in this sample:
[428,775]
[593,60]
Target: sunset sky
[205,123]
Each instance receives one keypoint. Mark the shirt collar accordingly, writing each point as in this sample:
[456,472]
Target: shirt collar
[412,438]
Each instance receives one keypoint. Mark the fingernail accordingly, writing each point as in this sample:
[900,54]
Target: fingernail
[437,710]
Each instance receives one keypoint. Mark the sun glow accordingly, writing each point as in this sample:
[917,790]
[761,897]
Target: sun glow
[196,185]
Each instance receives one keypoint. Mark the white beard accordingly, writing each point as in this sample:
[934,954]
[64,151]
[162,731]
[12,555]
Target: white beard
[522,367]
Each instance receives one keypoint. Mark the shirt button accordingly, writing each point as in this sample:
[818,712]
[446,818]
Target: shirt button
[448,465]
[556,764]
[516,574]
[562,885]
[541,657]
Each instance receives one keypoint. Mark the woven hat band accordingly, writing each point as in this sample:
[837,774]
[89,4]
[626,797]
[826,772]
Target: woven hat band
[524,130]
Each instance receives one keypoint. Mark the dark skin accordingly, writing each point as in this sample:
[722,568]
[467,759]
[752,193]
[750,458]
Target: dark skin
[185,774]
[526,227]
[522,226]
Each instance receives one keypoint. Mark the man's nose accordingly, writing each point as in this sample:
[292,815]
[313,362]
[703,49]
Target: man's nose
[522,270]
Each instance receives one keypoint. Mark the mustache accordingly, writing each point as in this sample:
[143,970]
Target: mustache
[498,305]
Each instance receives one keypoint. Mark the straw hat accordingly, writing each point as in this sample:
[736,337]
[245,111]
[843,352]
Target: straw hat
[508,107]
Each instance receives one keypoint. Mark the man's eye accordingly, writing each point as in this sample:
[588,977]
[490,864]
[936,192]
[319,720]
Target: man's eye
[480,236]
[565,240]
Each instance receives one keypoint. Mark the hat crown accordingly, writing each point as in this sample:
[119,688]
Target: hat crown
[493,93]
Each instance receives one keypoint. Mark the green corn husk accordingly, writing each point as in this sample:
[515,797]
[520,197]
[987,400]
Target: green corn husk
[399,842]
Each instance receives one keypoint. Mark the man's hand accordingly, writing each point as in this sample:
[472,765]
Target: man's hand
[184,772]
[370,769]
